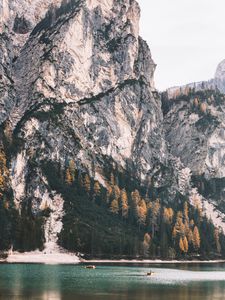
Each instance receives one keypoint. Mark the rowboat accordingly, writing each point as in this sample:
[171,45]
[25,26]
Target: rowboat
[90,267]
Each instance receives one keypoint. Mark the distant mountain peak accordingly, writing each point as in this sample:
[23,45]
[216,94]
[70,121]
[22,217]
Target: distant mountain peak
[220,71]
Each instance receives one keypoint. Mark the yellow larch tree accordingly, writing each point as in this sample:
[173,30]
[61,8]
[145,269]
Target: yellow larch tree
[196,239]
[114,207]
[124,204]
[142,212]
[185,244]
[4,173]
[181,244]
[69,178]
[87,183]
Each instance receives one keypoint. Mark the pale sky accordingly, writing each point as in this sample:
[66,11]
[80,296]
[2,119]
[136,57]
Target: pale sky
[186,38]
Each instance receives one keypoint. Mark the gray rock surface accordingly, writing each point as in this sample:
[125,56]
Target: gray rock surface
[77,82]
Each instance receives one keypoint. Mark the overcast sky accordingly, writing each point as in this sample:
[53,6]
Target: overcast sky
[186,38]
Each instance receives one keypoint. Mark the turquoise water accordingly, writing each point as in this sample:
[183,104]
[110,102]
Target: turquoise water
[180,282]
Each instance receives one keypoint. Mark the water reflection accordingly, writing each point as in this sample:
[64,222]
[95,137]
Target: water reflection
[183,282]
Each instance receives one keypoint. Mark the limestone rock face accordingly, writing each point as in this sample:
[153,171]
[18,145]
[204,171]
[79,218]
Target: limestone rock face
[195,131]
[197,139]
[78,84]
[220,76]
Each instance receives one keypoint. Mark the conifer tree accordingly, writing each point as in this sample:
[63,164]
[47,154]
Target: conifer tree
[168,215]
[185,244]
[142,212]
[190,236]
[72,169]
[192,223]
[196,238]
[174,233]
[146,244]
[108,193]
[69,178]
[114,207]
[186,211]
[87,183]
[4,173]
[97,189]
[217,239]
[181,244]
[196,102]
[203,108]
[112,179]
[136,198]
[179,225]
[116,192]
[155,210]
[124,204]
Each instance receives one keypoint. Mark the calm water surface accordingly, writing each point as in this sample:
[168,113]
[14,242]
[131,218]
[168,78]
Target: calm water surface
[170,282]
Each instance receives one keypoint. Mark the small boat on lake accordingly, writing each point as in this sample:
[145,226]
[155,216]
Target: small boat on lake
[149,273]
[90,267]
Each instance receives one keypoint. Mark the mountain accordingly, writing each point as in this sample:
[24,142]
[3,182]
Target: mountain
[90,159]
[218,82]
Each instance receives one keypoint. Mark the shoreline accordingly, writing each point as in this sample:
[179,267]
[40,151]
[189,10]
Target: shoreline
[39,257]
[57,258]
[157,261]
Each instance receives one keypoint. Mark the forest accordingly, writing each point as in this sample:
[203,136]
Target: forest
[120,218]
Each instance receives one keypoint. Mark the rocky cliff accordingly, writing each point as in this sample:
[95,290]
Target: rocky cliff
[77,94]
[77,84]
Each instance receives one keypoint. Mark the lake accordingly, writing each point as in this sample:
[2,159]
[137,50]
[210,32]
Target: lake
[112,282]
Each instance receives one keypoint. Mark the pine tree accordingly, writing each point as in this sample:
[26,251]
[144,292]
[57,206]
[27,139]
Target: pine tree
[114,207]
[142,212]
[174,233]
[112,179]
[185,244]
[97,189]
[108,193]
[203,108]
[217,239]
[192,223]
[70,173]
[190,236]
[196,102]
[186,211]
[116,192]
[146,244]
[87,183]
[124,204]
[69,178]
[181,244]
[179,225]
[135,198]
[72,169]
[155,210]
[4,173]
[168,215]
[196,239]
